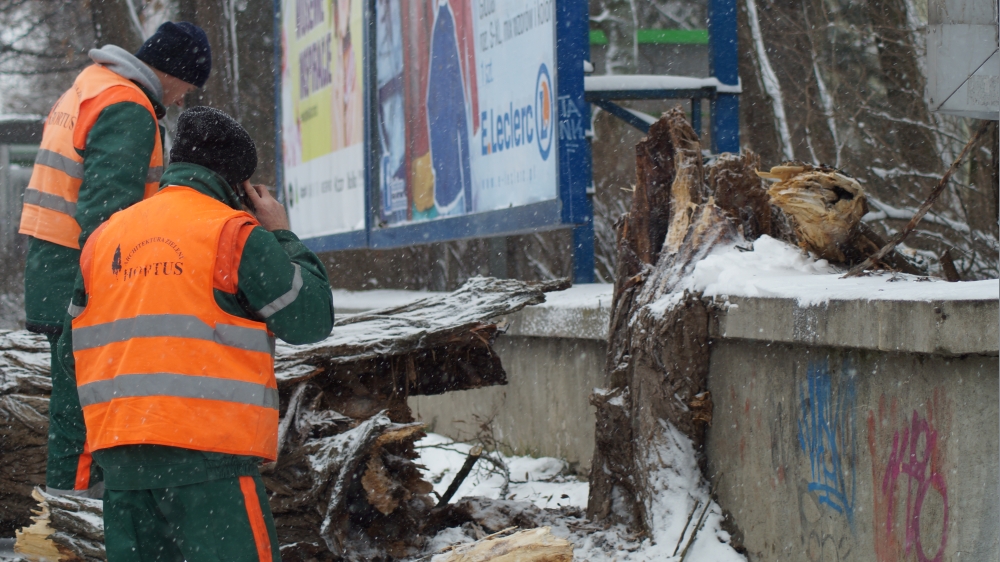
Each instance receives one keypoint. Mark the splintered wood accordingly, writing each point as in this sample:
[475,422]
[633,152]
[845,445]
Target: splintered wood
[824,207]
[535,545]
[64,528]
[345,485]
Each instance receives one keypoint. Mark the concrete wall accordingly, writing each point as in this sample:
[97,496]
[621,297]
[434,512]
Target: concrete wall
[543,411]
[821,453]
[853,430]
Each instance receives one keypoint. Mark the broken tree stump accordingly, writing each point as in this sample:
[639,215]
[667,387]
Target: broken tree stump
[345,485]
[656,401]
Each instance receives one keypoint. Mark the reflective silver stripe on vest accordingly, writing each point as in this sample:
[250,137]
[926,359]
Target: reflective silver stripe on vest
[49,201]
[95,492]
[154,174]
[285,299]
[171,325]
[74,310]
[179,386]
[59,162]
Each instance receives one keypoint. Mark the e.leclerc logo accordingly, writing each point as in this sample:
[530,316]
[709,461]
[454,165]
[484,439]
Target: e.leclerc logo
[544,120]
[510,127]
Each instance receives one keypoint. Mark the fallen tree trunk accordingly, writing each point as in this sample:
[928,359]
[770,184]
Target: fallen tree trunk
[345,486]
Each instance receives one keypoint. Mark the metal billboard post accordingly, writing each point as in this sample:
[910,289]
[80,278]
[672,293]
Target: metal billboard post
[575,161]
[724,64]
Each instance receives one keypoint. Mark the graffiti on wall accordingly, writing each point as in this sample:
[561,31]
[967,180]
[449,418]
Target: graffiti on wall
[827,430]
[911,495]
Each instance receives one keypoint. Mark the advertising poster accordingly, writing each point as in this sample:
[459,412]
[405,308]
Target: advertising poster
[466,106]
[322,115]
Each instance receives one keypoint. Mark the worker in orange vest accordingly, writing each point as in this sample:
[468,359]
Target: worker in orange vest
[176,308]
[101,151]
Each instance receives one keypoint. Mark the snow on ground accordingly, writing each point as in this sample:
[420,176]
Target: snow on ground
[545,483]
[779,270]
[541,481]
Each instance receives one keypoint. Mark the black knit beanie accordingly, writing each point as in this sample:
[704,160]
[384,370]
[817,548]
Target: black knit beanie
[210,138]
[181,50]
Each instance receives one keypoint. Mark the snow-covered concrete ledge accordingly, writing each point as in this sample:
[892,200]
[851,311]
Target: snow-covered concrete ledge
[941,327]
[774,293]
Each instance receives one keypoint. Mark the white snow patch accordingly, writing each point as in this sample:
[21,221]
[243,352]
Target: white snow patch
[541,481]
[775,269]
[609,82]
[588,295]
[672,470]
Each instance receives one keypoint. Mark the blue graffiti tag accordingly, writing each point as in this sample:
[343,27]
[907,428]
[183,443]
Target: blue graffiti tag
[827,435]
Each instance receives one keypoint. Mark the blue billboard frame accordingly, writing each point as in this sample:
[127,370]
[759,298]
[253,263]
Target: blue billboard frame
[570,209]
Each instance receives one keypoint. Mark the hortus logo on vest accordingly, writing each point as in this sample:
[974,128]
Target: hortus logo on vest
[116,262]
[148,268]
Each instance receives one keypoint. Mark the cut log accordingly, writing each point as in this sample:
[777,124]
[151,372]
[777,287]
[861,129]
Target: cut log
[536,545]
[64,528]
[345,485]
[24,424]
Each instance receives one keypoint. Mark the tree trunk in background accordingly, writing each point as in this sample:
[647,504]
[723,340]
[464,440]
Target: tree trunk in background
[757,131]
[792,59]
[113,25]
[242,81]
[618,19]
[904,84]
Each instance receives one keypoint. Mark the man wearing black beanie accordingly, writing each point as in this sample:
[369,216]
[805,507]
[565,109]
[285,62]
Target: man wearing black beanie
[101,151]
[171,352]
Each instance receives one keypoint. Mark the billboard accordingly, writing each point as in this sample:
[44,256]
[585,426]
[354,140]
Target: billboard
[465,116]
[322,115]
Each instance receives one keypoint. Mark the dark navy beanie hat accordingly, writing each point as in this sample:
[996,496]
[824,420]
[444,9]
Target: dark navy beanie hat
[211,138]
[181,50]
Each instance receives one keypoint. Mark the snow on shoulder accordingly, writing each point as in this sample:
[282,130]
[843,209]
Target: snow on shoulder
[775,269]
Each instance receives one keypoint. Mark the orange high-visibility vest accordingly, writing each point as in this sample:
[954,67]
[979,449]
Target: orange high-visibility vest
[157,360]
[49,211]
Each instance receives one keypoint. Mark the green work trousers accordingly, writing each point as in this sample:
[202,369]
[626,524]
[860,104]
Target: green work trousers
[215,521]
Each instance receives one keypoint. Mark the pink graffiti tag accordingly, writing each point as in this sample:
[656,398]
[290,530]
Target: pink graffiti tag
[904,459]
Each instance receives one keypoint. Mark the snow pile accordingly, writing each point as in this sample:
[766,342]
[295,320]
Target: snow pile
[682,502]
[543,482]
[775,269]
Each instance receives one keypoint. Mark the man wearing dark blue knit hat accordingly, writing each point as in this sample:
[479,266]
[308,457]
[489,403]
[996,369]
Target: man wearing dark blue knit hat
[101,151]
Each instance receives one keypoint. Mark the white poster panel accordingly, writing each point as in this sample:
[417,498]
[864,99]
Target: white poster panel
[322,116]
